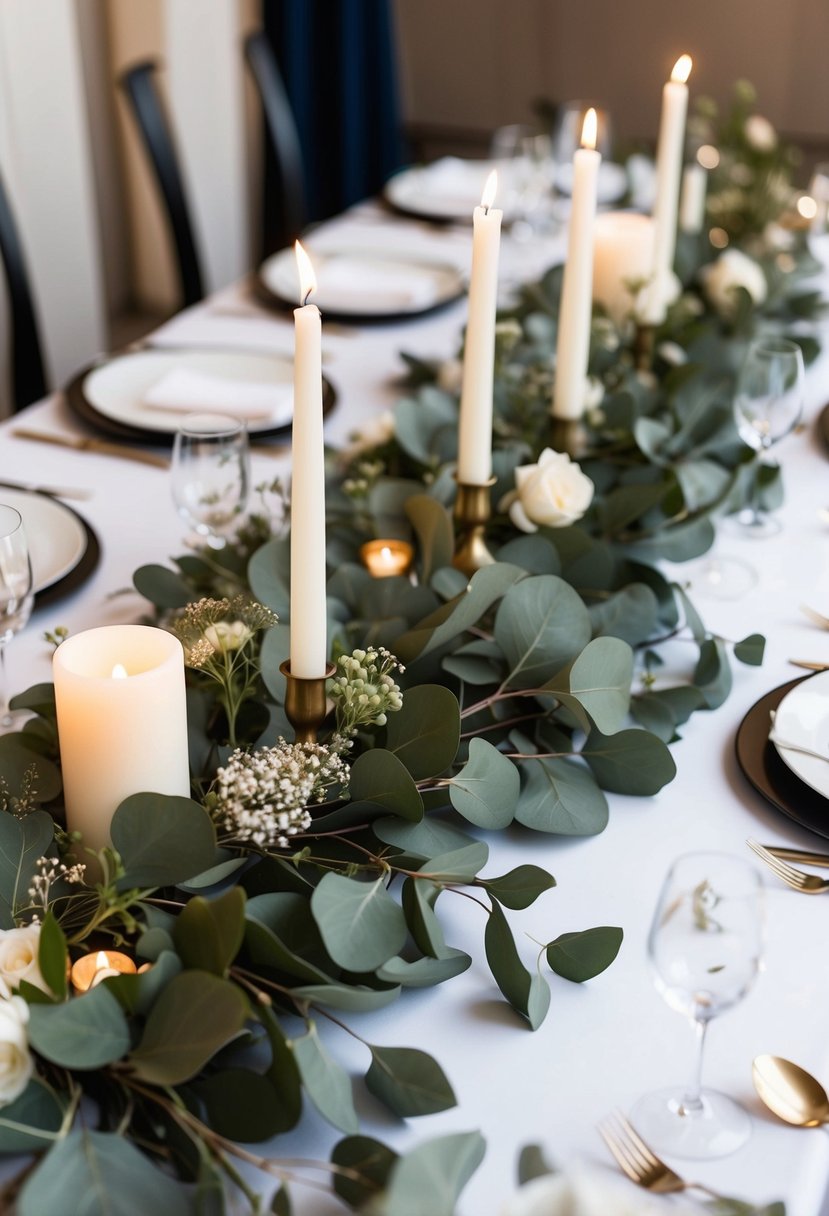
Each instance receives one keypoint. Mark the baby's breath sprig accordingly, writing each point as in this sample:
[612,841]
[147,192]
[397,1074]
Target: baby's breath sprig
[363,691]
[218,637]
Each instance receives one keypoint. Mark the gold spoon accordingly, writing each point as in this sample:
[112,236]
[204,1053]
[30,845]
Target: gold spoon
[790,1092]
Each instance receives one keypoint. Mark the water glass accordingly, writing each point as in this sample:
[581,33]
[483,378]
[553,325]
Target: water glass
[211,474]
[16,593]
[705,947]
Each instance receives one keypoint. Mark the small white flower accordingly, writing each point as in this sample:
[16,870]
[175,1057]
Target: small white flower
[228,635]
[760,134]
[777,238]
[18,957]
[593,393]
[16,1064]
[553,492]
[672,353]
[731,270]
[450,375]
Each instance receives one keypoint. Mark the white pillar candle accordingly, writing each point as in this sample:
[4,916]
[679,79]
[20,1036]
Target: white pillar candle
[669,157]
[308,641]
[622,261]
[122,722]
[573,346]
[692,199]
[475,427]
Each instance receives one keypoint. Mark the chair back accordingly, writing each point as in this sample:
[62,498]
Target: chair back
[140,86]
[28,379]
[292,214]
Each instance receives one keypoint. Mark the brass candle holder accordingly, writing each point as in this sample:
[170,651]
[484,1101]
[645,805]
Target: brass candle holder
[306,705]
[472,512]
[568,435]
[644,342]
[387,558]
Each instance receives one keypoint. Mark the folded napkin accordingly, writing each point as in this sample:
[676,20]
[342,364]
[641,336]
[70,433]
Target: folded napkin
[387,287]
[584,1190]
[182,391]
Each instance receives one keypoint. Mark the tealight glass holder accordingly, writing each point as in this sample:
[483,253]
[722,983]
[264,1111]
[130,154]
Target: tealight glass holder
[387,558]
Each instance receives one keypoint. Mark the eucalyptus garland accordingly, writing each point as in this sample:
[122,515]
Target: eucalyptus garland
[300,884]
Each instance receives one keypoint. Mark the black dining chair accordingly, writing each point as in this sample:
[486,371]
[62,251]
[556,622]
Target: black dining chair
[291,214]
[140,86]
[28,382]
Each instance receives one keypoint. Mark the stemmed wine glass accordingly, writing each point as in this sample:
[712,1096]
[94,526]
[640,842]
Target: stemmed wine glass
[527,169]
[768,404]
[705,947]
[16,593]
[211,474]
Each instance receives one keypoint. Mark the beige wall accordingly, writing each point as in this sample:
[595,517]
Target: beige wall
[481,63]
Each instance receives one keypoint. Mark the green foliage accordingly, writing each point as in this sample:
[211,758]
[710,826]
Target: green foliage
[581,956]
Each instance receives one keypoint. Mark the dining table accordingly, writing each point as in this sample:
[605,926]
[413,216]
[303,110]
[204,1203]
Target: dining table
[606,1042]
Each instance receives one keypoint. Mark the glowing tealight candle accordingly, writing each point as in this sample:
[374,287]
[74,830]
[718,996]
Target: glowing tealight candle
[122,722]
[91,969]
[386,558]
[308,642]
[669,154]
[475,425]
[573,346]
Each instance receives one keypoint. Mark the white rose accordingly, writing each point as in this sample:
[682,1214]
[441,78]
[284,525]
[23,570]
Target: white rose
[731,270]
[18,957]
[583,1191]
[228,635]
[375,433]
[760,134]
[553,492]
[16,1065]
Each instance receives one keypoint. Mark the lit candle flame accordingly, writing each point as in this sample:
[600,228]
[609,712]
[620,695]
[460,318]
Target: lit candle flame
[119,672]
[488,196]
[682,69]
[101,960]
[385,553]
[589,129]
[307,278]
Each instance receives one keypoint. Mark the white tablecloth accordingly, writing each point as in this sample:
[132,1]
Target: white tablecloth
[605,1042]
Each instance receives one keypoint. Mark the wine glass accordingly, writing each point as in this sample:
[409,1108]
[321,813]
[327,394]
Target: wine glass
[527,169]
[16,593]
[211,474]
[768,403]
[705,947]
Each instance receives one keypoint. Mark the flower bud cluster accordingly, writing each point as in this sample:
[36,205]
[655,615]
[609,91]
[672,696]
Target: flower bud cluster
[364,691]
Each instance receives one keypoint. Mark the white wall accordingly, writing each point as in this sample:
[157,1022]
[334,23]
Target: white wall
[45,160]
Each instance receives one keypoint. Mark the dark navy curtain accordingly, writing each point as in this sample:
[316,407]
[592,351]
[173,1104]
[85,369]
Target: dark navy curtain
[338,61]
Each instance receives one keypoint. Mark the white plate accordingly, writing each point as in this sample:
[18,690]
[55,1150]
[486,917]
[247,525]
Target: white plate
[55,535]
[118,387]
[360,282]
[803,718]
[448,189]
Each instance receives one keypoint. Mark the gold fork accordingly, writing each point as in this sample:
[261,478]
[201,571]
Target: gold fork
[809,884]
[640,1162]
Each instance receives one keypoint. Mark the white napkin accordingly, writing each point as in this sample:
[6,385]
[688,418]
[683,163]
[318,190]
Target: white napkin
[182,391]
[584,1190]
[387,287]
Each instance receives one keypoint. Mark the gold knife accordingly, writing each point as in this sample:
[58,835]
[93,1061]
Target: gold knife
[809,665]
[84,444]
[802,855]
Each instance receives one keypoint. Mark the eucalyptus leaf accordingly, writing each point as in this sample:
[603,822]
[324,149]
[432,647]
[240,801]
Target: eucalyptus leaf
[283,1071]
[751,649]
[521,887]
[408,1081]
[381,777]
[484,589]
[541,625]
[162,587]
[353,998]
[429,838]
[527,992]
[459,865]
[561,796]
[52,955]
[91,1171]
[194,1016]
[486,789]
[30,1122]
[581,956]
[326,1082]
[433,526]
[424,734]
[532,1164]
[431,1177]
[81,1034]
[629,762]
[240,1104]
[424,972]
[630,614]
[369,1160]
[269,576]
[22,843]
[712,674]
[209,932]
[361,925]
[418,903]
[600,680]
[162,839]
